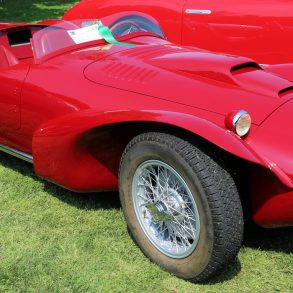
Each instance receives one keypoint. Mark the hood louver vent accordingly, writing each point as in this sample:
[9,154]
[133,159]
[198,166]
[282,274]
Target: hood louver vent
[129,73]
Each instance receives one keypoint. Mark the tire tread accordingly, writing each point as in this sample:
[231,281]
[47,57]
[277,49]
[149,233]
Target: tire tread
[221,193]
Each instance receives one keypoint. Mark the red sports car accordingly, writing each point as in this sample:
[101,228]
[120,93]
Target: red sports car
[262,30]
[188,136]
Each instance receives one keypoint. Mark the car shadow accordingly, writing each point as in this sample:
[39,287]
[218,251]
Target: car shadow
[278,240]
[255,237]
[87,201]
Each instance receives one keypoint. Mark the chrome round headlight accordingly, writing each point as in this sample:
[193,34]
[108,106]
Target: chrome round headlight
[239,122]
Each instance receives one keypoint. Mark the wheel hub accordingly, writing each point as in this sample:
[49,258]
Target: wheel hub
[159,212]
[161,207]
[176,204]
[165,209]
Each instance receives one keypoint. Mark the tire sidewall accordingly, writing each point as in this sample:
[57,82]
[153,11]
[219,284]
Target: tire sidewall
[192,265]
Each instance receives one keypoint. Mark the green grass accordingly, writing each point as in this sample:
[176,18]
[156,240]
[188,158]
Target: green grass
[52,240]
[30,10]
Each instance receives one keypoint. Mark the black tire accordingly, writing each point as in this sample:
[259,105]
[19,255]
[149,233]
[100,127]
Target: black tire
[214,192]
[138,23]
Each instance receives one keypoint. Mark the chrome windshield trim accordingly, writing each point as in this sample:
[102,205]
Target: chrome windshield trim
[16,153]
[198,11]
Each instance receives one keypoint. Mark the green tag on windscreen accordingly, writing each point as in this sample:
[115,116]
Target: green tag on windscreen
[109,38]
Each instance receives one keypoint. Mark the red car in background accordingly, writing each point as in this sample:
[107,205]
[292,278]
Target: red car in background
[261,30]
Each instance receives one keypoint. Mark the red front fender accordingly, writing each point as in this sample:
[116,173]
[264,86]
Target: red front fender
[61,155]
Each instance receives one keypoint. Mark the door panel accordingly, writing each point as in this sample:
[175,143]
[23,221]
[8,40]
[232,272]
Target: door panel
[257,29]
[11,80]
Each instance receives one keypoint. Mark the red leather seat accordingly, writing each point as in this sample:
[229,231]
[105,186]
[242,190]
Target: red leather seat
[7,58]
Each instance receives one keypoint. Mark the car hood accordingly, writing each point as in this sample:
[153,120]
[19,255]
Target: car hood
[195,78]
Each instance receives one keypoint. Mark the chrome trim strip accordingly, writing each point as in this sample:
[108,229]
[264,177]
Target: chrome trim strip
[198,11]
[16,153]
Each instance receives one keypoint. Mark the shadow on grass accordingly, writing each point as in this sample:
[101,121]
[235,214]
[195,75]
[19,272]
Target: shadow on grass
[88,201]
[228,273]
[278,240]
[33,10]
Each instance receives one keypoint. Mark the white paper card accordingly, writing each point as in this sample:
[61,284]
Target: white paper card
[85,34]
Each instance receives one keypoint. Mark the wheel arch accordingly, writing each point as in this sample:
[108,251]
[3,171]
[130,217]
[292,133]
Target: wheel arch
[82,151]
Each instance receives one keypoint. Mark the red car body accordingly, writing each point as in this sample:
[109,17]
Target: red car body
[58,110]
[261,30]
[78,107]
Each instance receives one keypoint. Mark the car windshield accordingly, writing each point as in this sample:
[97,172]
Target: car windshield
[64,34]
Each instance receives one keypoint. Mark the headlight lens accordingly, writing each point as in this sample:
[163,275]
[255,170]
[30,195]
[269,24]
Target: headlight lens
[239,122]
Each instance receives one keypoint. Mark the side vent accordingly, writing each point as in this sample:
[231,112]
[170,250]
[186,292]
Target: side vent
[285,91]
[245,67]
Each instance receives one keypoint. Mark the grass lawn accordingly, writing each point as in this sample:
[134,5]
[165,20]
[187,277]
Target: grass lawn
[33,10]
[52,240]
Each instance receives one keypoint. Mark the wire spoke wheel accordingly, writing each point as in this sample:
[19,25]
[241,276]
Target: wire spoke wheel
[165,208]
[182,207]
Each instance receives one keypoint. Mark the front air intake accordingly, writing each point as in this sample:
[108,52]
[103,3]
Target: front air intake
[285,91]
[245,67]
